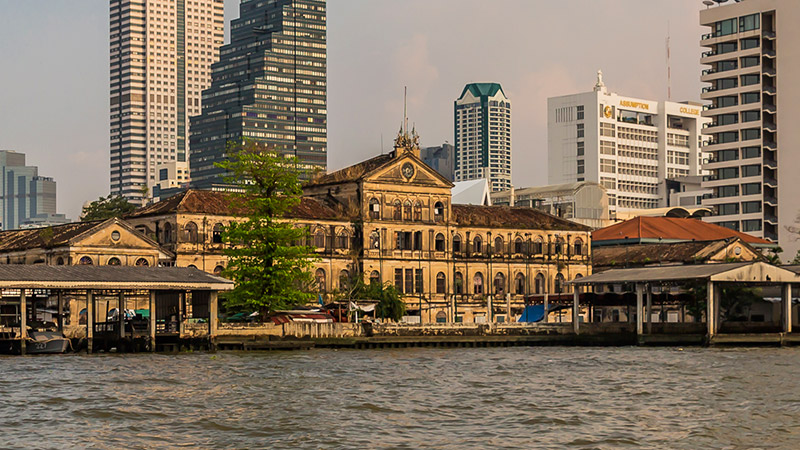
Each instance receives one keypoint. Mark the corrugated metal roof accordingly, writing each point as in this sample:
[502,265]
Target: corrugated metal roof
[108,277]
[757,272]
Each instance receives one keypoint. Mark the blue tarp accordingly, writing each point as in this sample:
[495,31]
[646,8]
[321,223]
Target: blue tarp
[532,313]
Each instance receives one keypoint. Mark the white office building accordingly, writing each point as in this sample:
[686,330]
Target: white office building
[628,145]
[161,53]
[482,117]
[753,65]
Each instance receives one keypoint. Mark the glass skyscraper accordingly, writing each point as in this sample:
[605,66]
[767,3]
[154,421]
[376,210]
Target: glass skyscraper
[268,86]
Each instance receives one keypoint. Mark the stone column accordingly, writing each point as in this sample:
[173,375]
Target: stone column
[23,322]
[213,312]
[89,320]
[121,316]
[639,307]
[152,321]
[710,311]
[576,293]
[60,295]
[787,308]
[649,316]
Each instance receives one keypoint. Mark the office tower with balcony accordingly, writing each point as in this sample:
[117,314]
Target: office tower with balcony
[482,116]
[753,64]
[27,200]
[628,145]
[161,53]
[269,86]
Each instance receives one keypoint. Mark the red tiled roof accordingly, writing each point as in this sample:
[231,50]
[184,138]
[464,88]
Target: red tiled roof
[670,228]
[511,217]
[217,203]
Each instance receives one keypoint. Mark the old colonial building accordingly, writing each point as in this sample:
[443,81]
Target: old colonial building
[389,219]
[111,242]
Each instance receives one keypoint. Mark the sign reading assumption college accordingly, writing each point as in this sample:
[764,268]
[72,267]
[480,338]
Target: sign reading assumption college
[638,105]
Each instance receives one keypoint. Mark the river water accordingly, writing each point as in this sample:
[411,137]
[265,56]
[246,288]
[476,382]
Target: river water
[532,397]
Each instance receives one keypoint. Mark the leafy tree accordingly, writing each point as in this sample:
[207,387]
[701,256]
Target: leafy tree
[796,259]
[106,208]
[390,303]
[773,256]
[271,270]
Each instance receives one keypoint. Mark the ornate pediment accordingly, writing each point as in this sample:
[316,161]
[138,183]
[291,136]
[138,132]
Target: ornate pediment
[409,170]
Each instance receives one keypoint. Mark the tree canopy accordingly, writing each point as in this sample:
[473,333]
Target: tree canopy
[268,258]
[106,208]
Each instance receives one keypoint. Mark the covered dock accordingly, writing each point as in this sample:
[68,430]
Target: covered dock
[112,305]
[707,278]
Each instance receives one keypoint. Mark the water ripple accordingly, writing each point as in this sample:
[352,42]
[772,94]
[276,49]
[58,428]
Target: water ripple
[549,397]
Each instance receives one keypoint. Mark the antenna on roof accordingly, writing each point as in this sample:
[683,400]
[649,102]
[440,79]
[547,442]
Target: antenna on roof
[669,68]
[405,112]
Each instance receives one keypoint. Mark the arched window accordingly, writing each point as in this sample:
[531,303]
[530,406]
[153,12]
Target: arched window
[375,277]
[441,317]
[190,232]
[375,240]
[438,212]
[519,246]
[407,210]
[344,280]
[538,246]
[397,210]
[477,245]
[343,240]
[539,284]
[457,244]
[577,247]
[114,261]
[218,270]
[498,244]
[192,266]
[558,248]
[519,284]
[85,261]
[216,234]
[60,261]
[142,262]
[319,276]
[374,208]
[441,283]
[500,284]
[559,285]
[458,283]
[439,242]
[319,238]
[167,233]
[418,211]
[477,283]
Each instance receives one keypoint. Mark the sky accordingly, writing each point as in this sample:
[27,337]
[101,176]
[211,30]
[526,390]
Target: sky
[54,95]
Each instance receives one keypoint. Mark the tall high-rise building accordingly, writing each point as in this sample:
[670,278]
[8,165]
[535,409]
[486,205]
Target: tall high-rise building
[269,86]
[26,199]
[753,66]
[482,117]
[161,56]
[628,145]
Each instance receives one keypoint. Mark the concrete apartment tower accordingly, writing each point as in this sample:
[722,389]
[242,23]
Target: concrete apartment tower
[26,199]
[753,61]
[628,145]
[269,86]
[482,116]
[161,56]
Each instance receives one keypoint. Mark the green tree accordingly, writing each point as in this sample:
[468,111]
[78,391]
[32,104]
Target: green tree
[773,256]
[266,260]
[390,303]
[796,259]
[106,208]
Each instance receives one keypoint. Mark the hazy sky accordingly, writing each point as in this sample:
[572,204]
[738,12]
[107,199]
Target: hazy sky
[54,73]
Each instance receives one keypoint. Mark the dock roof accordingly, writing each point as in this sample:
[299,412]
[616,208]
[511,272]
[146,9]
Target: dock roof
[21,276]
[742,272]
